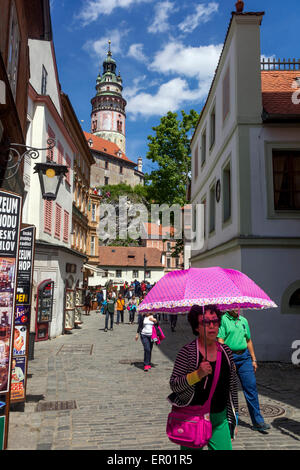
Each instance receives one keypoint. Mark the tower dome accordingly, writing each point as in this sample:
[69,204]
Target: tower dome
[108,106]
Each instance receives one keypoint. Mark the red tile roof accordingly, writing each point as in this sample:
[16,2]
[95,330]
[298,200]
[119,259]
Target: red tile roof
[107,147]
[129,256]
[277,92]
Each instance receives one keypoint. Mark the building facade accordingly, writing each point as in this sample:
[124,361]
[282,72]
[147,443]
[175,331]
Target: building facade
[245,158]
[159,237]
[55,260]
[18,22]
[83,161]
[121,264]
[112,165]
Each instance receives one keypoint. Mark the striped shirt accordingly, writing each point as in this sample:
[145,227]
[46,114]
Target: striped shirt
[183,393]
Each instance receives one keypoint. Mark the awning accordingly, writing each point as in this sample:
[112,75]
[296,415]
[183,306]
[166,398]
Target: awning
[94,268]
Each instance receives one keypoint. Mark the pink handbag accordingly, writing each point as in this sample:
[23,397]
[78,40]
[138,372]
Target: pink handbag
[190,426]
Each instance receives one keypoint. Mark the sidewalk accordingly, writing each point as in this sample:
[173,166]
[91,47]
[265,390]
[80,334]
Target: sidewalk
[111,403]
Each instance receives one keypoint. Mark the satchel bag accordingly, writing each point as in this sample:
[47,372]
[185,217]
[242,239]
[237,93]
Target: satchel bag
[190,426]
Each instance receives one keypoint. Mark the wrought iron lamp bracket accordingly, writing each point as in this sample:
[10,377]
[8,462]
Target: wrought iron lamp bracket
[15,156]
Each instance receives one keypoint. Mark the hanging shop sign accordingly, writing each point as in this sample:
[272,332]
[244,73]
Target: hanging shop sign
[10,222]
[22,314]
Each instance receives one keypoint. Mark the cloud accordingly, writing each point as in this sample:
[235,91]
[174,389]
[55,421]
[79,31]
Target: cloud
[169,97]
[99,47]
[193,62]
[202,14]
[190,65]
[162,11]
[92,9]
[138,84]
[136,52]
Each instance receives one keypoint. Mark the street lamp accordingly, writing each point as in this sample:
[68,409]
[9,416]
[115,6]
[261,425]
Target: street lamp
[50,173]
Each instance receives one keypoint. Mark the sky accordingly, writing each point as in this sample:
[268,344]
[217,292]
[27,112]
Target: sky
[166,52]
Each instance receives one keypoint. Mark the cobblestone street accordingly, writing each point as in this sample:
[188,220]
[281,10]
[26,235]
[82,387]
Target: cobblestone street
[114,404]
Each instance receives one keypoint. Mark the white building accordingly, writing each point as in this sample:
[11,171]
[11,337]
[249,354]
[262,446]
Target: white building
[122,263]
[54,258]
[245,170]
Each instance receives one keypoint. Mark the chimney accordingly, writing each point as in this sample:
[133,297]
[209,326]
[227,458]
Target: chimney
[140,164]
[239,6]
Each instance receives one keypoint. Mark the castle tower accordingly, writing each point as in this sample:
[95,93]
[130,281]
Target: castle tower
[108,106]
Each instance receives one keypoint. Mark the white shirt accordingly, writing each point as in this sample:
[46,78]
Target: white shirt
[147,330]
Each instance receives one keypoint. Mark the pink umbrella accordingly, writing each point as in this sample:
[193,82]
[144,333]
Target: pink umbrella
[178,291]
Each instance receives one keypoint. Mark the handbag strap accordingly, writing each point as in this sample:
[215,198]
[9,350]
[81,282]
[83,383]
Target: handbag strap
[206,405]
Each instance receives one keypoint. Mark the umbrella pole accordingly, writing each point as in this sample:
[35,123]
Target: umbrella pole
[205,345]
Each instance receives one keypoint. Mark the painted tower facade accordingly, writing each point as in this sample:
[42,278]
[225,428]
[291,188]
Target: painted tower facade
[108,106]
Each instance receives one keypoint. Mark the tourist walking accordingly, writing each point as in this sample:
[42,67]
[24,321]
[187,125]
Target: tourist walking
[120,309]
[109,311]
[100,298]
[192,377]
[235,332]
[145,325]
[87,301]
[132,306]
[173,321]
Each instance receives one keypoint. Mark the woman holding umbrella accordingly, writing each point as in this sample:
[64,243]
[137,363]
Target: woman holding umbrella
[192,377]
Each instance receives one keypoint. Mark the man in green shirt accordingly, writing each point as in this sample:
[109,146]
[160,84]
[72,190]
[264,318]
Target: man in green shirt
[235,332]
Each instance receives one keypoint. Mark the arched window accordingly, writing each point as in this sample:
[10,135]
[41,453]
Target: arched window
[290,302]
[295,299]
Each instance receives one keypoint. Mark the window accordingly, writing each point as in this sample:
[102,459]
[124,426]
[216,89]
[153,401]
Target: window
[212,209]
[204,216]
[93,212]
[203,148]
[168,262]
[106,165]
[92,246]
[196,163]
[177,262]
[226,193]
[106,179]
[135,274]
[295,299]
[66,227]
[226,94]
[168,246]
[13,50]
[286,179]
[48,217]
[57,227]
[212,127]
[147,274]
[118,273]
[121,170]
[44,81]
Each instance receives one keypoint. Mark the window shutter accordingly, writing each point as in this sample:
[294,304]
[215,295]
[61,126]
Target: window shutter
[48,217]
[57,221]
[66,226]
[60,154]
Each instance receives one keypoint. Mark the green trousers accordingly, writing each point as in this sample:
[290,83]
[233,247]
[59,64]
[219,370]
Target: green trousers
[220,439]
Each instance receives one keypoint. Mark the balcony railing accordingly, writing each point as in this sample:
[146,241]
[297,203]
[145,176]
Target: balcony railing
[277,64]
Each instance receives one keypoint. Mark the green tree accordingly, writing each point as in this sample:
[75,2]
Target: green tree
[170,150]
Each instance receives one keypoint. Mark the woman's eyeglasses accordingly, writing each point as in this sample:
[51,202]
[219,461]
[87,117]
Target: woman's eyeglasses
[207,322]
